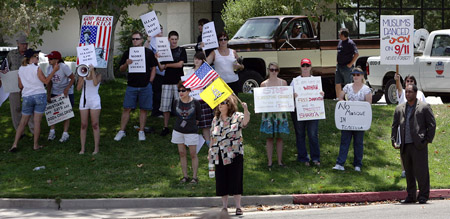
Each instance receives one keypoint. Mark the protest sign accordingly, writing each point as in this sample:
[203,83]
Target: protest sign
[396,39]
[209,36]
[10,82]
[96,30]
[3,95]
[86,55]
[163,49]
[137,54]
[274,99]
[353,115]
[309,102]
[216,93]
[151,23]
[58,110]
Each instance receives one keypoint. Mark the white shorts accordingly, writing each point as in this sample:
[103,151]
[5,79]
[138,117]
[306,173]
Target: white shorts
[187,139]
[91,103]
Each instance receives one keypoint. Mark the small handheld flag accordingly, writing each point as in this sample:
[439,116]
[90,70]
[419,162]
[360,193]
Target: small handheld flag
[201,77]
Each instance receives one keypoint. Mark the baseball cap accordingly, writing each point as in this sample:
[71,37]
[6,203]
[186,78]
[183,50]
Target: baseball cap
[30,52]
[54,55]
[22,39]
[305,61]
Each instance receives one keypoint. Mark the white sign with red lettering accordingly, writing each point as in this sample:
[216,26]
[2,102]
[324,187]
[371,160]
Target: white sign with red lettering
[58,110]
[396,39]
[308,101]
[274,99]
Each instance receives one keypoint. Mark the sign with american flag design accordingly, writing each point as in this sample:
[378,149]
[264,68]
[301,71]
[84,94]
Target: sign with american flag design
[96,30]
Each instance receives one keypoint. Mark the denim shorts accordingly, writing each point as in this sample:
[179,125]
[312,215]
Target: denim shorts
[143,95]
[34,103]
[343,75]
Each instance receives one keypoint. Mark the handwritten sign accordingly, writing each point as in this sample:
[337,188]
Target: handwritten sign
[396,39]
[86,55]
[274,99]
[151,23]
[96,30]
[209,37]
[309,102]
[163,49]
[353,115]
[137,54]
[58,110]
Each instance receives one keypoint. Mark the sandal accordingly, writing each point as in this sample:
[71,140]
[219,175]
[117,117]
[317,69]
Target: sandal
[317,163]
[239,211]
[13,149]
[194,181]
[184,180]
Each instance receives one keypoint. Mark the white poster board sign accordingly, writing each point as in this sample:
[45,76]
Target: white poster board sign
[274,99]
[209,36]
[396,39]
[137,54]
[353,115]
[58,110]
[96,30]
[3,96]
[10,81]
[163,49]
[309,102]
[151,23]
[86,55]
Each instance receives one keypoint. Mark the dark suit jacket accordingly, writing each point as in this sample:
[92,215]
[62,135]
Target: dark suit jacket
[422,124]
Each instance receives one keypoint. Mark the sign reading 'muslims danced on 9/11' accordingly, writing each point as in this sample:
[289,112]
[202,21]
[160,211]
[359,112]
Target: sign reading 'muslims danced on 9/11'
[396,39]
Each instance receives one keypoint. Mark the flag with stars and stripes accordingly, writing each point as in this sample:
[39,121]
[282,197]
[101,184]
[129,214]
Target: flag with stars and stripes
[96,30]
[201,77]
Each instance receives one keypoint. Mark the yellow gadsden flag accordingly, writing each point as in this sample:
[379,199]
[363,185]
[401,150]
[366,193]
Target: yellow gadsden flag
[216,93]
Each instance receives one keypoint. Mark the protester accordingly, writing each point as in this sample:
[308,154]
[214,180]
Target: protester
[139,88]
[90,105]
[225,62]
[227,152]
[61,84]
[356,91]
[184,133]
[174,71]
[417,125]
[274,124]
[199,46]
[347,53]
[31,82]
[309,126]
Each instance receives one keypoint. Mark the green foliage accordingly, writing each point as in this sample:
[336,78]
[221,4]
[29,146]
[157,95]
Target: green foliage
[70,58]
[129,26]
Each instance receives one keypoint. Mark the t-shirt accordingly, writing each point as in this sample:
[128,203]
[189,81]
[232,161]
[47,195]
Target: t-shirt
[31,84]
[60,79]
[358,96]
[402,98]
[173,75]
[140,79]
[345,51]
[187,116]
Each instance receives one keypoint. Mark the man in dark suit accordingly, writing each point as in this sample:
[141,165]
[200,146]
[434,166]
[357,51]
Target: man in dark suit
[416,124]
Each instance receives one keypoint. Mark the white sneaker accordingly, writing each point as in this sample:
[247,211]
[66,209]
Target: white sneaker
[141,136]
[119,135]
[51,136]
[358,169]
[338,167]
[64,137]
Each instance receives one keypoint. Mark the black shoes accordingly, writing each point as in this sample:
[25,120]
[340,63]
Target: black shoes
[408,200]
[165,132]
[422,200]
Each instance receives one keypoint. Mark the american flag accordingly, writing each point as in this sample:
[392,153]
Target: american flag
[100,36]
[201,77]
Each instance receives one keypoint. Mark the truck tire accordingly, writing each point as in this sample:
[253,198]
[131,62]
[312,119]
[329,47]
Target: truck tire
[390,92]
[249,79]
[445,99]
[376,97]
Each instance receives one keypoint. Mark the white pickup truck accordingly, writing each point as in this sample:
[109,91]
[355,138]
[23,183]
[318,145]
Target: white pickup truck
[431,68]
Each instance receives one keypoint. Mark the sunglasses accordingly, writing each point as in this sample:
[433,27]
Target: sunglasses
[223,39]
[410,81]
[36,56]
[182,90]
[306,65]
[224,103]
[356,75]
[136,38]
[274,69]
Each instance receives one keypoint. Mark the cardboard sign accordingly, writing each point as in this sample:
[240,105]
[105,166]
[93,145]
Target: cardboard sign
[163,49]
[96,30]
[151,23]
[209,36]
[396,39]
[10,81]
[274,99]
[137,54]
[58,110]
[86,55]
[353,115]
[309,103]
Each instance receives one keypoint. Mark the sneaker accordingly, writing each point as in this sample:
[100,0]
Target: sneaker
[338,167]
[119,135]
[403,174]
[165,132]
[64,138]
[141,136]
[51,136]
[358,169]
[336,99]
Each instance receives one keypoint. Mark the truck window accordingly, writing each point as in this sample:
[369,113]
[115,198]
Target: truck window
[298,29]
[441,46]
[257,28]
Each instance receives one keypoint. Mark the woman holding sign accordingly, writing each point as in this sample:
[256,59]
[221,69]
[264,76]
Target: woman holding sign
[274,124]
[356,91]
[31,82]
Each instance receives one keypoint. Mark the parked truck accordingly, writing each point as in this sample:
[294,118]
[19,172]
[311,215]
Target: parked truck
[262,40]
[431,68]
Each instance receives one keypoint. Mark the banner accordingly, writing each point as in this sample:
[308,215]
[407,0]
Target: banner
[86,55]
[96,30]
[58,110]
[163,49]
[137,54]
[309,102]
[353,115]
[151,23]
[274,99]
[10,81]
[216,93]
[209,36]
[396,39]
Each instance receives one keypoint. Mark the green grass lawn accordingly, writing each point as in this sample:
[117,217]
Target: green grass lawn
[130,168]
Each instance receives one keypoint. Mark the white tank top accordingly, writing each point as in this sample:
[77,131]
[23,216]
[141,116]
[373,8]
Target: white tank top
[224,66]
[30,81]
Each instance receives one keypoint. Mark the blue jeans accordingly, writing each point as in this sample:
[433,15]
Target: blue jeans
[358,141]
[312,127]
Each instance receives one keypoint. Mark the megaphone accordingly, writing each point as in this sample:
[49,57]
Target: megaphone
[83,70]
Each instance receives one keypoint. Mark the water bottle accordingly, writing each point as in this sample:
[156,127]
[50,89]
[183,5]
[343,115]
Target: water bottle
[212,173]
[39,168]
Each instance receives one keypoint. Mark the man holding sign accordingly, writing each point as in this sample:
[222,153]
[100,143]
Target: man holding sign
[139,87]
